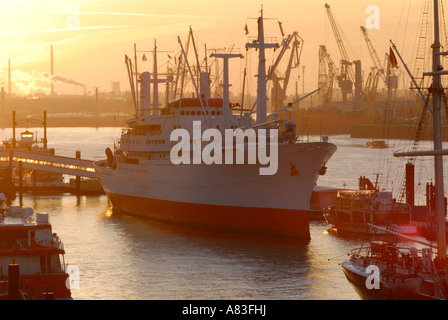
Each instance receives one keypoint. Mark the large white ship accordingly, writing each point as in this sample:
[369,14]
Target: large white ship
[139,176]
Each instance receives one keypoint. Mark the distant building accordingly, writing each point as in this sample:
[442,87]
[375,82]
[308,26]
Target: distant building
[115,87]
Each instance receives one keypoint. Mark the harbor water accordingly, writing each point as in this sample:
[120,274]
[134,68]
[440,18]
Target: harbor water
[123,257]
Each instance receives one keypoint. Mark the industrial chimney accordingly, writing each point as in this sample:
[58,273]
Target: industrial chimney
[52,72]
[9,77]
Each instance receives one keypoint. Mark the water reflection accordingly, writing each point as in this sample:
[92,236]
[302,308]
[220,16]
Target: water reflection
[126,257]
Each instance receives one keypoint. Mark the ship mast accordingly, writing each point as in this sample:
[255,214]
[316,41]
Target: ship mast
[437,91]
[261,85]
[155,94]
[226,84]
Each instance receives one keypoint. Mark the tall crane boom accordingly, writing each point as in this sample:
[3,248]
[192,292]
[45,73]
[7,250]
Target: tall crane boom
[327,74]
[339,42]
[373,54]
[278,95]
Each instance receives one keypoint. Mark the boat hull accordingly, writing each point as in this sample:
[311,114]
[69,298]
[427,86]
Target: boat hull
[35,287]
[231,197]
[358,278]
[365,229]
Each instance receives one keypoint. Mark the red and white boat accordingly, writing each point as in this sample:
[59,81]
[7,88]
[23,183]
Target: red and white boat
[139,178]
[28,243]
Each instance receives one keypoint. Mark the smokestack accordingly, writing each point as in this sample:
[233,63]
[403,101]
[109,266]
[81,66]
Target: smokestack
[9,77]
[2,102]
[52,71]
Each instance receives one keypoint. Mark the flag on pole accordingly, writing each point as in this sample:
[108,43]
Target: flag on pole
[393,59]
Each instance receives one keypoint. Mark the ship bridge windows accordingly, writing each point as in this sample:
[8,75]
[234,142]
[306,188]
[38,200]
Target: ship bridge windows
[200,112]
[156,141]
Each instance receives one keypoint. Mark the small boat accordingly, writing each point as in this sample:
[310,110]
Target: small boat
[388,270]
[28,244]
[30,179]
[355,210]
[395,273]
[36,173]
[376,144]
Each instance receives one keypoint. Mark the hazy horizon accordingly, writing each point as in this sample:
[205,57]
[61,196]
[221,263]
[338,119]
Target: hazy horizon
[91,38]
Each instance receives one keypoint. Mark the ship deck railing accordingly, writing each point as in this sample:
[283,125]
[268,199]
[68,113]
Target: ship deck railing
[21,244]
[47,162]
[402,259]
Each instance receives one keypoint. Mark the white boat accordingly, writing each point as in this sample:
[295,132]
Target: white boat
[140,178]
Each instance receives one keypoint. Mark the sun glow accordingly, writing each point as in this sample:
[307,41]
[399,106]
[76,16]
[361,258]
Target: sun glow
[90,38]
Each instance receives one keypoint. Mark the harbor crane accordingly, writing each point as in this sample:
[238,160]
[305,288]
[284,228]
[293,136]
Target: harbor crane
[347,77]
[373,54]
[390,81]
[340,43]
[328,72]
[278,92]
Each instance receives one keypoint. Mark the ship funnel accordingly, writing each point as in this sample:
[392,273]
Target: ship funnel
[145,93]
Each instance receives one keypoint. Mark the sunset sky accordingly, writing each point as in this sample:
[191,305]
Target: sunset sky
[90,38]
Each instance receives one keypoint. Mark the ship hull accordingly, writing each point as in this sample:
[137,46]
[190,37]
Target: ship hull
[231,197]
[282,222]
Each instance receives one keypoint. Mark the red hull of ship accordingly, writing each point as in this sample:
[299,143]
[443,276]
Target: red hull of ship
[266,221]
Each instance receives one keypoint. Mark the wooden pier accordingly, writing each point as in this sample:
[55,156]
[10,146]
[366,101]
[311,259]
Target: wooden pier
[18,161]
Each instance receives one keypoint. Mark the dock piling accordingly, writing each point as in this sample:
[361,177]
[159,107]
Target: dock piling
[13,282]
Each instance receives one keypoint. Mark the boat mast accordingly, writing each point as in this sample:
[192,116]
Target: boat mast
[261,85]
[155,94]
[437,91]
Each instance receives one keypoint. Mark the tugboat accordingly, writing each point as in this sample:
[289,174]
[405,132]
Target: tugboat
[386,270]
[376,144]
[28,243]
[355,210]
